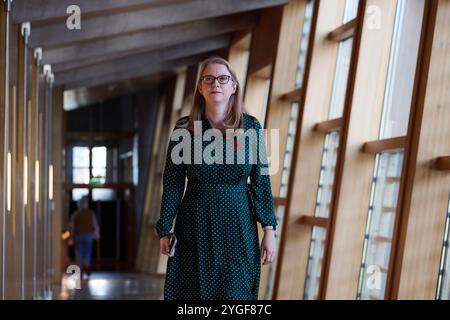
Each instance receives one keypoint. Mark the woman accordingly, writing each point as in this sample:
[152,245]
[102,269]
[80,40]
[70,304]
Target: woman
[217,255]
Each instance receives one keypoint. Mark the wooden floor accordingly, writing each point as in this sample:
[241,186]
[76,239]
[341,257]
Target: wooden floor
[112,286]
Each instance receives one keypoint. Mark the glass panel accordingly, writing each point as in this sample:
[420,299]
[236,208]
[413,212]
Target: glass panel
[77,194]
[98,164]
[98,174]
[323,200]
[80,157]
[99,157]
[103,194]
[314,268]
[350,11]
[329,157]
[402,68]
[380,226]
[443,289]
[340,78]
[80,175]
[266,100]
[304,43]
[283,192]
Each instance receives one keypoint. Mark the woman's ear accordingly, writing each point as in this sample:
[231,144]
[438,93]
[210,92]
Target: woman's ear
[199,88]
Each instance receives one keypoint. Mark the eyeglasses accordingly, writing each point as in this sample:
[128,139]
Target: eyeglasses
[223,79]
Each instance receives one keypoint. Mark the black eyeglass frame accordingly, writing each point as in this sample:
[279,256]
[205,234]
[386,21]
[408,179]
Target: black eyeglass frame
[202,78]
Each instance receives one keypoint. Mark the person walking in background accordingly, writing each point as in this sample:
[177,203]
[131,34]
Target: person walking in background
[83,226]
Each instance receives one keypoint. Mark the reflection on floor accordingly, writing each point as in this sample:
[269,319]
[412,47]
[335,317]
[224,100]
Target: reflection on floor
[111,285]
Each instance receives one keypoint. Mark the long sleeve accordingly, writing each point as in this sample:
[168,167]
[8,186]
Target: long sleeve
[260,186]
[174,179]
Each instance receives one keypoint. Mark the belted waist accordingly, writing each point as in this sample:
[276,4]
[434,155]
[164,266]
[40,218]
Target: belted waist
[216,186]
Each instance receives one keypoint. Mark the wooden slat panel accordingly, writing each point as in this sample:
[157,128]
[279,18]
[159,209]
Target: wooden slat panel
[254,97]
[328,125]
[306,163]
[3,92]
[265,39]
[128,22]
[83,70]
[385,145]
[442,163]
[149,40]
[144,71]
[343,32]
[279,201]
[58,218]
[314,221]
[55,11]
[428,189]
[239,56]
[275,45]
[363,125]
[32,156]
[293,96]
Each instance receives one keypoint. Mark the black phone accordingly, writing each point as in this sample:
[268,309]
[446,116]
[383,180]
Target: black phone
[172,243]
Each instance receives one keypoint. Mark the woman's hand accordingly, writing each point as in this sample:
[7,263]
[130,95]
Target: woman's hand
[268,247]
[164,245]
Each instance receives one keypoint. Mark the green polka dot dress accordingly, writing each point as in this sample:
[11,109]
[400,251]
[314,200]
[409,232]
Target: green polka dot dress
[217,255]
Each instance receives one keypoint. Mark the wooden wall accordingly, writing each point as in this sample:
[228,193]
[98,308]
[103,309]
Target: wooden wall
[430,188]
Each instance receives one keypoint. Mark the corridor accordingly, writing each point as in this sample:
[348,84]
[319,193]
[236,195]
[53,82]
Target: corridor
[350,199]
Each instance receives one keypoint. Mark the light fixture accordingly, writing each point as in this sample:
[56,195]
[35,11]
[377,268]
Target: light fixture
[8,182]
[50,182]
[36,186]
[25,180]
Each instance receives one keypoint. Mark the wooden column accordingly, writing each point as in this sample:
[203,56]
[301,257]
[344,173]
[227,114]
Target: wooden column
[361,125]
[427,189]
[308,148]
[58,181]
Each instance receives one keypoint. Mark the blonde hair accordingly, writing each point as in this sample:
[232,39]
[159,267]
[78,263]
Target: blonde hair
[234,113]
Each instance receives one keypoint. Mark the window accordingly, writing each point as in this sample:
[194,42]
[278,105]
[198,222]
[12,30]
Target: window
[350,11]
[340,78]
[304,44]
[402,67]
[98,165]
[323,200]
[380,226]
[79,193]
[100,194]
[443,287]
[314,268]
[327,169]
[329,159]
[283,190]
[80,168]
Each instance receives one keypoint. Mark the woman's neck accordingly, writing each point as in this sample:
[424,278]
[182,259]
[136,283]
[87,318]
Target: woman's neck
[215,114]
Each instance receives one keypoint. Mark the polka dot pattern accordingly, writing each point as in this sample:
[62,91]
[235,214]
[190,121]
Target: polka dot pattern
[217,254]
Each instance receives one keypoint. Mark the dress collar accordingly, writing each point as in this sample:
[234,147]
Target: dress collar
[205,122]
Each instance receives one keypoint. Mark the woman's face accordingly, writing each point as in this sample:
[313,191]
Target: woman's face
[211,89]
